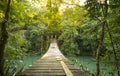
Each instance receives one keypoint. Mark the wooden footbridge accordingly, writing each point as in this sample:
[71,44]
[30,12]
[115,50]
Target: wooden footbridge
[52,63]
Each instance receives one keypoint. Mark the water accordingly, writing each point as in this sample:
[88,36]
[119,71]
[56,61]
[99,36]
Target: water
[87,63]
[30,59]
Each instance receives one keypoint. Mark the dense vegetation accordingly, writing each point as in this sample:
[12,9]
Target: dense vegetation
[26,27]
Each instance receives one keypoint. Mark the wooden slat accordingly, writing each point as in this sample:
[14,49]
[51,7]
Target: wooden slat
[44,71]
[66,69]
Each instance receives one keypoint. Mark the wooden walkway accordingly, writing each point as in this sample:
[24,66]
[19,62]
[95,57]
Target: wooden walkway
[53,63]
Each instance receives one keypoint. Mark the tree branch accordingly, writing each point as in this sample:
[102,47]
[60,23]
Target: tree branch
[19,28]
[72,4]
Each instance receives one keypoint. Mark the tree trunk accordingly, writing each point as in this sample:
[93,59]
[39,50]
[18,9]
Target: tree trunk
[105,12]
[41,44]
[47,42]
[99,49]
[3,38]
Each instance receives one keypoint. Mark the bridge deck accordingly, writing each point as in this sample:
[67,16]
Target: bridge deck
[53,63]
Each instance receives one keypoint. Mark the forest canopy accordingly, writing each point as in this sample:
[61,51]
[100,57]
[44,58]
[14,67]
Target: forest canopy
[81,27]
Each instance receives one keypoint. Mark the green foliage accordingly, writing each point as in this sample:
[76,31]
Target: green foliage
[15,53]
[72,20]
[37,38]
[12,67]
[89,36]
[52,16]
[77,29]
[97,11]
[74,16]
[16,45]
[67,40]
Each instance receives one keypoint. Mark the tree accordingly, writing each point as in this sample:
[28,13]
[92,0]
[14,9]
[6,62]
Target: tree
[112,28]
[17,19]
[4,37]
[99,10]
[72,19]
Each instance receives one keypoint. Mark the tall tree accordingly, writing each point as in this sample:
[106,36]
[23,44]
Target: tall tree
[4,37]
[104,23]
[99,10]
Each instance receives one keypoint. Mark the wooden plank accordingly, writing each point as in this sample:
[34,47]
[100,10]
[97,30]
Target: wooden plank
[46,67]
[44,71]
[41,74]
[66,69]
